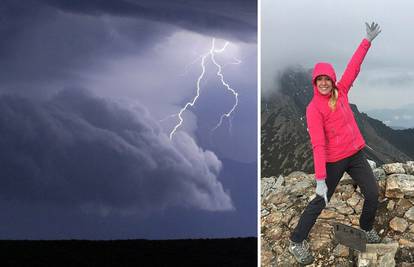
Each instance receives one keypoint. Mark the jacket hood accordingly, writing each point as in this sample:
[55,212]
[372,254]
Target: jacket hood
[323,68]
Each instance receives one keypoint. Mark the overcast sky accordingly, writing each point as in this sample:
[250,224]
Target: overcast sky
[306,32]
[87,90]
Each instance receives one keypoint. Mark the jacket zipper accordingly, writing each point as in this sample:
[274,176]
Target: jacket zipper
[349,126]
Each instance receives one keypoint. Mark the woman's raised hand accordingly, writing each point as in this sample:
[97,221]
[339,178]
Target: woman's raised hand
[372,31]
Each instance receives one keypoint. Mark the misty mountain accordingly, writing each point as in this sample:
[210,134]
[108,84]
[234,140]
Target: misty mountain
[285,142]
[398,118]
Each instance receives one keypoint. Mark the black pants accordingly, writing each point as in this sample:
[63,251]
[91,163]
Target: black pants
[358,168]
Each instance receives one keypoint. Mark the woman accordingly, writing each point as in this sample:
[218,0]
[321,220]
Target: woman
[337,144]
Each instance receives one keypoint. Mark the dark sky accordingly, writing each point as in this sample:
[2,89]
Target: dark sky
[87,90]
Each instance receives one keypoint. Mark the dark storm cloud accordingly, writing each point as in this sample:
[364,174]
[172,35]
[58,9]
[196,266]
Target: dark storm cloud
[56,43]
[88,153]
[232,18]
[43,46]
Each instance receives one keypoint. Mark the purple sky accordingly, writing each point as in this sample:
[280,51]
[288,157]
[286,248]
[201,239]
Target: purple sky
[85,89]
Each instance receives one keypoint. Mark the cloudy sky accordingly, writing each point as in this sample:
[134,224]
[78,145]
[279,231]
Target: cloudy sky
[306,32]
[89,94]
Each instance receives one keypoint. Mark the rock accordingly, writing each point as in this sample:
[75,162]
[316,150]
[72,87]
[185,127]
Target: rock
[412,228]
[354,199]
[344,209]
[392,168]
[278,249]
[299,184]
[270,184]
[320,236]
[398,224]
[266,184]
[275,233]
[300,188]
[404,205]
[277,198]
[406,243]
[274,218]
[390,205]
[407,255]
[410,214]
[364,262]
[386,260]
[372,164]
[335,200]
[346,179]
[409,167]
[379,173]
[387,240]
[293,222]
[358,207]
[287,216]
[400,185]
[267,256]
[296,176]
[327,214]
[279,182]
[346,191]
[382,184]
[354,219]
[378,255]
[264,212]
[341,251]
[286,259]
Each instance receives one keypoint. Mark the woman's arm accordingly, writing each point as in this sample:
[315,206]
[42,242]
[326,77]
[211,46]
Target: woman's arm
[314,122]
[354,65]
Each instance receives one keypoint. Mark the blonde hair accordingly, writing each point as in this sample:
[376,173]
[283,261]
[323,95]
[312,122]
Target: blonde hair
[333,99]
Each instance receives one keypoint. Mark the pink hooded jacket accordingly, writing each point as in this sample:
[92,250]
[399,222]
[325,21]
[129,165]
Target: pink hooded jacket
[334,134]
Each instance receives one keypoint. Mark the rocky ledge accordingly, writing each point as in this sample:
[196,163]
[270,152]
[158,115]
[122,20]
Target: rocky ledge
[284,198]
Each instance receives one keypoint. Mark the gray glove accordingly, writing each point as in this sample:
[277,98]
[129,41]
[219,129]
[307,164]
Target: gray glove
[372,31]
[322,190]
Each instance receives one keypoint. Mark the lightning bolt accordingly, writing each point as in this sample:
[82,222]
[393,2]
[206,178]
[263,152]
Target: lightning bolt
[203,67]
[211,53]
[228,88]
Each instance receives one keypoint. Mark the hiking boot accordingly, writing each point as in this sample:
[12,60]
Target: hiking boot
[301,252]
[372,236]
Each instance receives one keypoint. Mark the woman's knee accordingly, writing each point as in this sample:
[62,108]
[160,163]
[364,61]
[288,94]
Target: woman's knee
[372,194]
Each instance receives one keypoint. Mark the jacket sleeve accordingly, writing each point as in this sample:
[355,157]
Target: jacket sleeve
[353,67]
[315,124]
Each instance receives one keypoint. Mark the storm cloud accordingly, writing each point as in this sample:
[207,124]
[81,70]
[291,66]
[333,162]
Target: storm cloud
[98,162]
[229,18]
[48,45]
[45,47]
[84,152]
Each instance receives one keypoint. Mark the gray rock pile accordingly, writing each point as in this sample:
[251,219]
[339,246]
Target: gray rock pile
[284,198]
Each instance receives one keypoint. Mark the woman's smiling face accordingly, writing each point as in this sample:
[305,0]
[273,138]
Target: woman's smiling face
[324,84]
